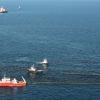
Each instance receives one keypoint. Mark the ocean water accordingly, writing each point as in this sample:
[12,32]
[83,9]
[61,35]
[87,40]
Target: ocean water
[65,32]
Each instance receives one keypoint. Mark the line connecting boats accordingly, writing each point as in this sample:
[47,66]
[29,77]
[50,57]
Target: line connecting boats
[8,82]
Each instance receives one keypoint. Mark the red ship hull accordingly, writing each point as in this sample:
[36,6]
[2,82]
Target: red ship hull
[11,84]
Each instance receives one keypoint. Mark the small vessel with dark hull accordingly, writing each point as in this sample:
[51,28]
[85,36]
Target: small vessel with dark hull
[34,70]
[8,82]
[37,70]
[44,63]
[3,10]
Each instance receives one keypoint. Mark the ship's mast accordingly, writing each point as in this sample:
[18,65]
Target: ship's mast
[23,79]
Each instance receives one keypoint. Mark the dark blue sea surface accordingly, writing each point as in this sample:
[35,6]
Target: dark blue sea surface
[67,33]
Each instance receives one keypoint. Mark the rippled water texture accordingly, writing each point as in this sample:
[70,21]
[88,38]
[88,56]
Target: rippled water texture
[67,33]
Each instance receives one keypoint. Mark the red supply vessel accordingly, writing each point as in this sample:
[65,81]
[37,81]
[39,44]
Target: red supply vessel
[8,82]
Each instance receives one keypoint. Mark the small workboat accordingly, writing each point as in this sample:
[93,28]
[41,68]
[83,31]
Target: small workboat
[3,10]
[45,61]
[38,69]
[8,82]
[34,70]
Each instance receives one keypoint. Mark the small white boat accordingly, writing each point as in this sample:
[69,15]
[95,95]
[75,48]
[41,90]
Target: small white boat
[33,69]
[8,82]
[3,10]
[45,61]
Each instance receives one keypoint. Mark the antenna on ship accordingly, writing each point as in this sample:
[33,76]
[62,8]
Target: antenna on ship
[19,4]
[19,7]
[4,75]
